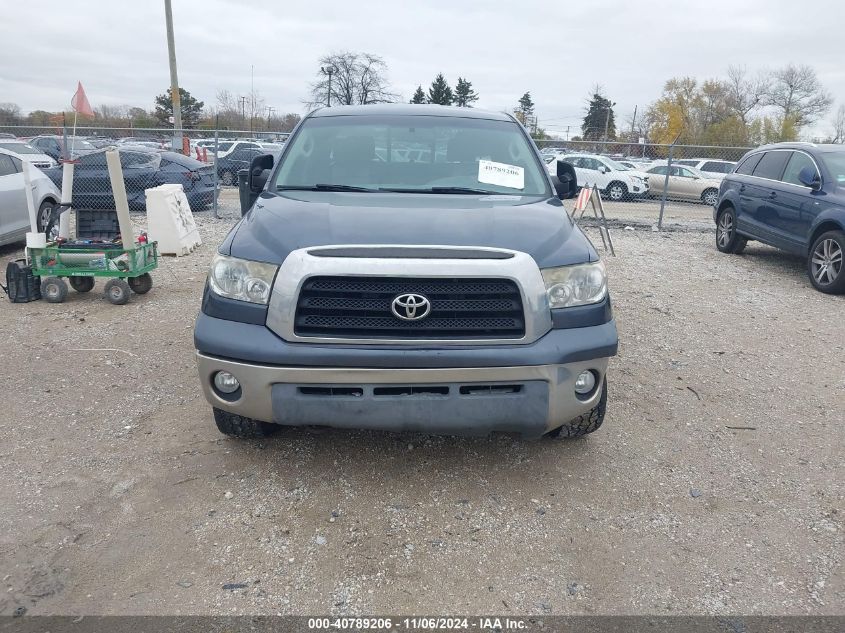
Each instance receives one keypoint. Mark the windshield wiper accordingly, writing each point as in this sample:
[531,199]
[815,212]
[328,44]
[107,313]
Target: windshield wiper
[464,190]
[321,187]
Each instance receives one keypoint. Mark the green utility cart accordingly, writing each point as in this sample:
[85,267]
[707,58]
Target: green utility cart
[80,262]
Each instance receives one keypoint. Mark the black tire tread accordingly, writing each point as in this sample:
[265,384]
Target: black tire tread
[60,284]
[235,425]
[124,298]
[82,284]
[585,423]
[141,284]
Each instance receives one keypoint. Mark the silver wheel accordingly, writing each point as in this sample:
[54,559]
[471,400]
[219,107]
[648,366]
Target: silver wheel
[826,262]
[616,192]
[44,213]
[725,230]
[711,197]
[227,178]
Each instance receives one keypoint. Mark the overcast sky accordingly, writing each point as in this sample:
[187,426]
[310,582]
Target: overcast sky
[556,50]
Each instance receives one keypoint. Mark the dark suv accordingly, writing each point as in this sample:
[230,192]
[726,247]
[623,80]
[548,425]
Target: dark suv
[791,196]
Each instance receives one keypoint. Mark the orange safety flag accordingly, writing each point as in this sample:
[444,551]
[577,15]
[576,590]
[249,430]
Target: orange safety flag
[80,102]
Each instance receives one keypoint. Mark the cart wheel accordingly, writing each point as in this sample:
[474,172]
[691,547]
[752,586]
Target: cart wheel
[82,284]
[54,289]
[141,284]
[117,291]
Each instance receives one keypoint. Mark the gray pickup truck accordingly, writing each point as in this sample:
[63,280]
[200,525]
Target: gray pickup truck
[406,268]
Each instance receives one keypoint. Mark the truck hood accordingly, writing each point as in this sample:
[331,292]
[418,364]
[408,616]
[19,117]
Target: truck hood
[284,222]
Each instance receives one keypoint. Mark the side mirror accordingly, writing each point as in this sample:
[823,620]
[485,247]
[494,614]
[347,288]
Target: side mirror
[809,177]
[603,169]
[251,182]
[259,172]
[565,180]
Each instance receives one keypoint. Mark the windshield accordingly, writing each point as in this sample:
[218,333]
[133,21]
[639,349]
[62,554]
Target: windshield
[835,163]
[20,148]
[79,143]
[410,153]
[614,165]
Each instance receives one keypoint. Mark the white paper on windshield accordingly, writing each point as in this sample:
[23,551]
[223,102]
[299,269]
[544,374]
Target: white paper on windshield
[501,174]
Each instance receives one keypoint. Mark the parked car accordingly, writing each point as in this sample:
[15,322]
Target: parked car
[615,181]
[141,170]
[710,167]
[229,165]
[224,148]
[685,183]
[14,213]
[28,153]
[53,145]
[790,196]
[450,296]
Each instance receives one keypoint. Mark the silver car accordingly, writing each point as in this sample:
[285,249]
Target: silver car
[27,152]
[14,216]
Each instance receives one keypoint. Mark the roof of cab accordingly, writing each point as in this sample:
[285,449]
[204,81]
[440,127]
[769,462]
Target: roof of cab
[410,109]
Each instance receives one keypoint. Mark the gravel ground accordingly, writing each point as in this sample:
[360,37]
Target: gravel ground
[714,486]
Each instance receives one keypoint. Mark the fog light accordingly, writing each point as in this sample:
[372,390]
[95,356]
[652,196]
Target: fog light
[585,382]
[226,382]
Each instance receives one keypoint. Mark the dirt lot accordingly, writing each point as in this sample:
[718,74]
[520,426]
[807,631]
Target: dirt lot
[715,485]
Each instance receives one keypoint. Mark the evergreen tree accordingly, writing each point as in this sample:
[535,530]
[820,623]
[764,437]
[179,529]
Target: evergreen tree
[440,92]
[599,114]
[419,96]
[525,110]
[191,109]
[465,96]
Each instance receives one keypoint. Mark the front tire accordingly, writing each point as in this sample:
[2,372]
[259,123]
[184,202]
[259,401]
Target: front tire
[710,197]
[825,263]
[141,284]
[45,217]
[617,191]
[53,289]
[586,423]
[227,178]
[243,428]
[727,239]
[117,291]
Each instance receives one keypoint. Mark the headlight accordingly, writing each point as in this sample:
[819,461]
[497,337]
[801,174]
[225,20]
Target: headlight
[579,285]
[241,279]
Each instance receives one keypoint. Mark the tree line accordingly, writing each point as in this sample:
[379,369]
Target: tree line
[737,109]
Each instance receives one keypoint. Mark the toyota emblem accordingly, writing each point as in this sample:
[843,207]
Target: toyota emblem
[410,307]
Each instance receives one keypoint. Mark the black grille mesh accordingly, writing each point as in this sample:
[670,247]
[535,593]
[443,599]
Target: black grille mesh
[360,307]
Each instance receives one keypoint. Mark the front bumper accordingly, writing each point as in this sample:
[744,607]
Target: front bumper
[468,390]
[529,400]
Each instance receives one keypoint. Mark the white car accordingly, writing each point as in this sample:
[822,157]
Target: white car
[224,148]
[615,181]
[14,215]
[27,152]
[710,167]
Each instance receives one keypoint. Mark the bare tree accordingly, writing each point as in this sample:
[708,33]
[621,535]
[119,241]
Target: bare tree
[839,125]
[10,114]
[355,78]
[798,95]
[746,95]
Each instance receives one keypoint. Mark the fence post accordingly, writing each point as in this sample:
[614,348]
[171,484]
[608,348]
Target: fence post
[665,187]
[216,184]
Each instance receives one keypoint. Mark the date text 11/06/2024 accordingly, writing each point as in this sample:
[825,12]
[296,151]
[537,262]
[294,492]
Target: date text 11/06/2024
[419,623]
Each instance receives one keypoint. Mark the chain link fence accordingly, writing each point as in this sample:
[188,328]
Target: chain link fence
[206,163]
[649,184]
[640,183]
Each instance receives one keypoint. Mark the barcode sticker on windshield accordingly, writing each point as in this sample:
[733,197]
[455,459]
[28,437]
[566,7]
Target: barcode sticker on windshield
[501,174]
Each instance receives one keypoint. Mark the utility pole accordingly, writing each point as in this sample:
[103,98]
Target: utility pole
[270,111]
[251,96]
[175,97]
[607,119]
[567,133]
[243,109]
[328,70]
[633,123]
